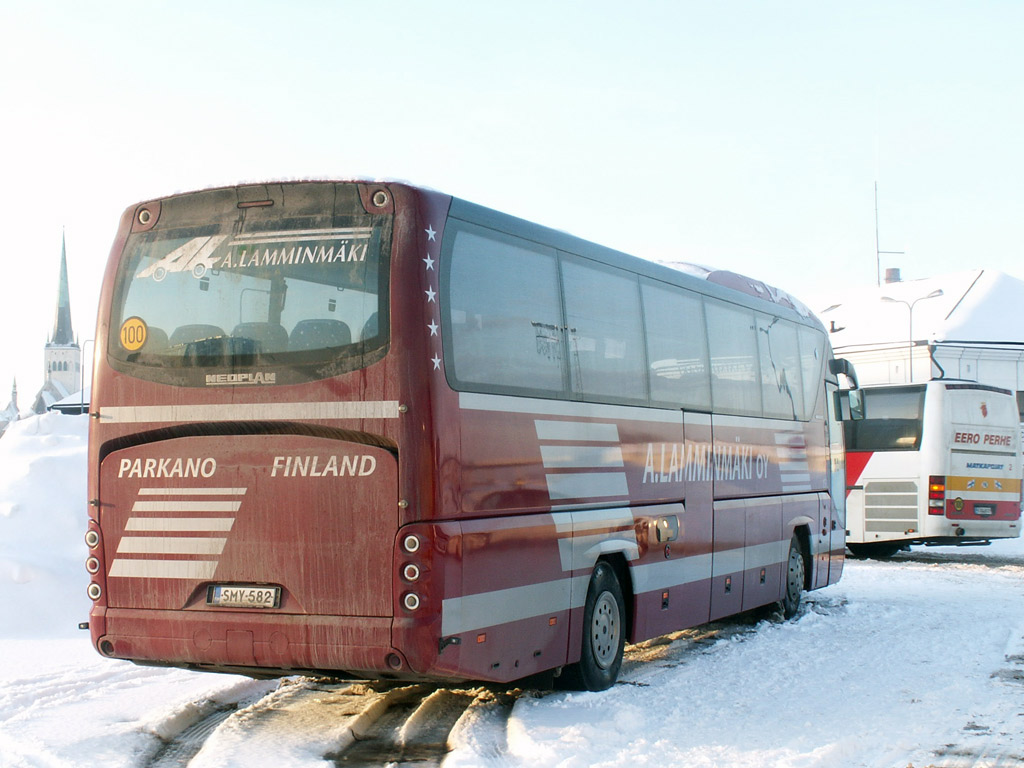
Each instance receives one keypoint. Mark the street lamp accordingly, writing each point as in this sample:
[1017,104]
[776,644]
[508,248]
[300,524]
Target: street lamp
[910,306]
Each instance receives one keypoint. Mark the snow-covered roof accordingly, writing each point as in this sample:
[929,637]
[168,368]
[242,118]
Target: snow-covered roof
[977,306]
[76,402]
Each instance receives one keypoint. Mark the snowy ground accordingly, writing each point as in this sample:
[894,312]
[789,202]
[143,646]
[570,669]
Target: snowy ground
[915,662]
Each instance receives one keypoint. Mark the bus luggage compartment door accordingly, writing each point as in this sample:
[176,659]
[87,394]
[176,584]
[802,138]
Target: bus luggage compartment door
[310,519]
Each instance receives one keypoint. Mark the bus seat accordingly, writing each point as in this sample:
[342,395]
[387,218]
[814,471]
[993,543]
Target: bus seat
[370,328]
[156,340]
[272,337]
[319,334]
[186,334]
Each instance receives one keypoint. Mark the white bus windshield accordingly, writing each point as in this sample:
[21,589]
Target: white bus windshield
[893,422]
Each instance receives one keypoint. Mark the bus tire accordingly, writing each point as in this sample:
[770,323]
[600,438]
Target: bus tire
[604,635]
[795,579]
[875,551]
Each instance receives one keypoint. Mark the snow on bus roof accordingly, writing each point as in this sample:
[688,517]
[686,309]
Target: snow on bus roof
[741,283]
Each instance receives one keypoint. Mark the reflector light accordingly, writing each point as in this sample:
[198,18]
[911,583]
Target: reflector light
[936,494]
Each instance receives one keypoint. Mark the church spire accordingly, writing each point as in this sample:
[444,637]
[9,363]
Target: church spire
[62,332]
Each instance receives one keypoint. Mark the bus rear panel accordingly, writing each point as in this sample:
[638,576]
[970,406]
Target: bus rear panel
[935,463]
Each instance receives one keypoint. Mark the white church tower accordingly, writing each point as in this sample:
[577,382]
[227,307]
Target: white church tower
[62,357]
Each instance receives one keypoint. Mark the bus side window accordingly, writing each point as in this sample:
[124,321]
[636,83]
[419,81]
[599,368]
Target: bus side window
[602,307]
[504,315]
[677,346]
[781,378]
[812,357]
[736,378]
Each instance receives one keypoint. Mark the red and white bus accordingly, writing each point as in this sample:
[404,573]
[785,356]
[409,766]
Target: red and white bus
[366,429]
[936,463]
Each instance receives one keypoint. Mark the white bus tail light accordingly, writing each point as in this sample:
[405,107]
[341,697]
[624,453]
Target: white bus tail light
[411,572]
[411,543]
[92,565]
[411,601]
[936,494]
[92,539]
[94,591]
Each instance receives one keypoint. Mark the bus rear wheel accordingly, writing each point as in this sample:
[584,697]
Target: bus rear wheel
[795,579]
[604,636]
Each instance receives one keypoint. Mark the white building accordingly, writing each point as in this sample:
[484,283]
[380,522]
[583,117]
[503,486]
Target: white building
[963,325]
[62,357]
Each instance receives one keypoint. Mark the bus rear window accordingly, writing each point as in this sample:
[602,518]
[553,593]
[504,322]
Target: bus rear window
[893,423]
[298,301]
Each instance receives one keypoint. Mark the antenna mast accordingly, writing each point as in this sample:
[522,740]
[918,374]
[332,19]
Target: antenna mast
[878,251]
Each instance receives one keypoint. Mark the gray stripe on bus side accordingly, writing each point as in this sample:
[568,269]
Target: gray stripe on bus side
[587,485]
[150,414]
[474,401]
[503,606]
[581,431]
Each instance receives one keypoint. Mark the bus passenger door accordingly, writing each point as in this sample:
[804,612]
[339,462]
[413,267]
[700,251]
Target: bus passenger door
[836,485]
[823,542]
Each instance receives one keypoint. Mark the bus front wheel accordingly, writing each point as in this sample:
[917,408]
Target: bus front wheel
[795,575]
[604,636]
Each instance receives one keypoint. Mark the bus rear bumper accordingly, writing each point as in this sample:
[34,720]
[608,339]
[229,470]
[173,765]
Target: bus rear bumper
[973,529]
[261,645]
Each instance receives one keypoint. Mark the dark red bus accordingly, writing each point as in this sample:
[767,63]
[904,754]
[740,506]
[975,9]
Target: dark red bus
[366,429]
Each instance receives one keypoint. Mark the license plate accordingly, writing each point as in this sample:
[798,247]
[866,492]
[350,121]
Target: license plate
[984,510]
[228,596]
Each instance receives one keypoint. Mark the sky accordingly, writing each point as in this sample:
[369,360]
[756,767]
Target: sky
[746,136]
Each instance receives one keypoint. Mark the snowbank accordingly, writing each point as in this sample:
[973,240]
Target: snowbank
[42,524]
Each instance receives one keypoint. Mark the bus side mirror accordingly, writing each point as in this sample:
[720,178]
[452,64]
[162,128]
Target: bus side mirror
[838,365]
[850,405]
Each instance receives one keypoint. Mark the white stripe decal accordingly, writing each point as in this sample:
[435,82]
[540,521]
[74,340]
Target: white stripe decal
[577,431]
[593,519]
[473,401]
[151,414]
[580,553]
[488,609]
[587,485]
[186,506]
[192,491]
[176,524]
[170,545]
[580,456]
[671,573]
[727,561]
[163,569]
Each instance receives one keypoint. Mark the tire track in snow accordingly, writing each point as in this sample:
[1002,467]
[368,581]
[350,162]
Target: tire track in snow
[305,720]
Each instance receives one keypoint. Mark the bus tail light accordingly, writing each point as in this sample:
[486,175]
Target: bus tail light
[411,601]
[936,494]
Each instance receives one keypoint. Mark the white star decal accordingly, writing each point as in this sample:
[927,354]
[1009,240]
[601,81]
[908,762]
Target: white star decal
[433,328]
[430,232]
[437,362]
[429,262]
[431,293]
